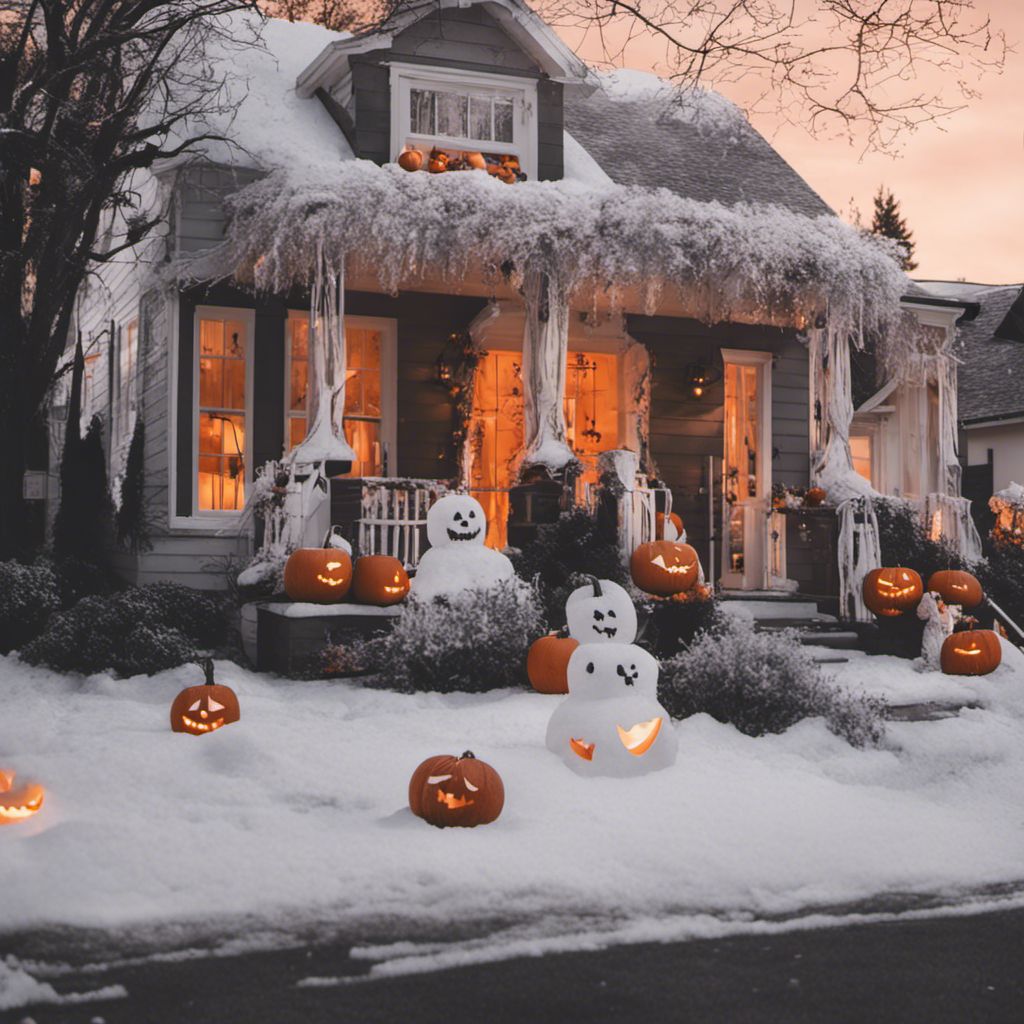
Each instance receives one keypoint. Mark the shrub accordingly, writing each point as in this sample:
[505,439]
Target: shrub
[668,626]
[476,641]
[763,682]
[140,630]
[130,522]
[562,554]
[29,594]
[77,579]
[83,527]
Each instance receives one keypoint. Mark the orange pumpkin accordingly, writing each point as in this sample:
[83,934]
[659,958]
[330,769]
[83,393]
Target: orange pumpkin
[892,591]
[18,802]
[548,661]
[456,791]
[814,497]
[956,587]
[380,580]
[663,567]
[201,709]
[319,575]
[659,525]
[438,162]
[410,160]
[476,161]
[971,652]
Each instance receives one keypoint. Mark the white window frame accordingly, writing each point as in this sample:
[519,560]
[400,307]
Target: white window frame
[127,385]
[523,91]
[220,517]
[388,329]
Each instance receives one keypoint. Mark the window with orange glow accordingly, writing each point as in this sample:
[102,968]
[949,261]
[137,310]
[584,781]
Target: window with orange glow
[222,422]
[860,451]
[363,410]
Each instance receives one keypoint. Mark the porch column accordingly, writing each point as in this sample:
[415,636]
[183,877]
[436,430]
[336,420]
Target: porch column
[545,349]
[325,390]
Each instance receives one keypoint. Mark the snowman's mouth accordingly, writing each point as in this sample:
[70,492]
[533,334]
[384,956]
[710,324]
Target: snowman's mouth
[467,535]
[608,631]
[582,749]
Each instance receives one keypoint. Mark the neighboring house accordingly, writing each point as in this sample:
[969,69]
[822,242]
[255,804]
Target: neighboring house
[663,283]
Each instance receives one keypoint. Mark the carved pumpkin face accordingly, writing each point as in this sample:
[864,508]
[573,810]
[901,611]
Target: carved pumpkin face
[438,162]
[956,587]
[973,652]
[892,591]
[203,709]
[601,612]
[456,791]
[548,661]
[814,497]
[380,580]
[668,529]
[318,575]
[664,567]
[456,519]
[18,802]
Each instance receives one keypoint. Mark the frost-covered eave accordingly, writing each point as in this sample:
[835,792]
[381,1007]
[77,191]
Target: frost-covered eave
[748,263]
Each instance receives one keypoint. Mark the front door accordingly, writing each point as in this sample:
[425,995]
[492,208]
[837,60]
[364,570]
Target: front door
[746,471]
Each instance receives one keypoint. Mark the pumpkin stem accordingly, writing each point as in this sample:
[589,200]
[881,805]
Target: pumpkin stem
[469,754]
[596,584]
[208,670]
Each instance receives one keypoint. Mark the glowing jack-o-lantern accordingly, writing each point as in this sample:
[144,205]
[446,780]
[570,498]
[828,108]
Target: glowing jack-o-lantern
[456,791]
[547,663]
[664,568]
[892,591]
[18,802]
[611,723]
[456,519]
[204,708]
[319,575]
[601,612]
[380,580]
[670,528]
[956,587]
[971,652]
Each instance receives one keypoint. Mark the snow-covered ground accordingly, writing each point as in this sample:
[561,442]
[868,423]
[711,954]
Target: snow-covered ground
[298,813]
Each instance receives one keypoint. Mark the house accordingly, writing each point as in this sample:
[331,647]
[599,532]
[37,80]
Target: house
[662,296]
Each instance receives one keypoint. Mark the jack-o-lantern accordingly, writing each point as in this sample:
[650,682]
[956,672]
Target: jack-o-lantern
[206,707]
[410,160]
[456,519]
[892,591]
[548,661]
[663,567]
[601,612]
[814,497]
[18,802]
[670,529]
[438,162]
[456,791]
[380,580]
[476,161]
[318,575]
[971,652]
[956,587]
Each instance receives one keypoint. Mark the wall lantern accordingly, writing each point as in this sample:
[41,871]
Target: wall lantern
[699,378]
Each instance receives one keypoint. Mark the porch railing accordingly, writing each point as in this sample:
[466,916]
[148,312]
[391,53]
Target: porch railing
[393,517]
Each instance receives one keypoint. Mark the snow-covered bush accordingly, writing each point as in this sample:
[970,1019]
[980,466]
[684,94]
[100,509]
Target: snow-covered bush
[761,683]
[474,641]
[561,554]
[669,626]
[77,579]
[140,630]
[29,594]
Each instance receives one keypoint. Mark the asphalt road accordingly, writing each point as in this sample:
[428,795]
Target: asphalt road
[958,969]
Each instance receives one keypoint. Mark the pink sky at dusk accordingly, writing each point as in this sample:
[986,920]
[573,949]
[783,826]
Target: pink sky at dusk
[960,184]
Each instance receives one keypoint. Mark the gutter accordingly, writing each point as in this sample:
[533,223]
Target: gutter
[970,309]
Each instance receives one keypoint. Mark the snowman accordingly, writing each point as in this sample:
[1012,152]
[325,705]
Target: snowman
[611,722]
[457,559]
[938,618]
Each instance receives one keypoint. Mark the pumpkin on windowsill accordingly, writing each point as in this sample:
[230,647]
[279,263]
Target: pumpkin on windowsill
[438,162]
[379,580]
[458,792]
[971,652]
[547,662]
[410,160]
[891,591]
[319,575]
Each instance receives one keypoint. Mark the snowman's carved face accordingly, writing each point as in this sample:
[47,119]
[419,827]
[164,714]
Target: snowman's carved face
[599,671]
[456,519]
[607,617]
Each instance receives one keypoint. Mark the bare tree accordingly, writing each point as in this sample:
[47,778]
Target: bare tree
[91,91]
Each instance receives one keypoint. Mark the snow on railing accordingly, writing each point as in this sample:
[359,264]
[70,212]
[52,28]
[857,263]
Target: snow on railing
[948,518]
[859,552]
[393,517]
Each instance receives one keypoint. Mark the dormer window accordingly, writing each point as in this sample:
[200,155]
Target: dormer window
[459,112]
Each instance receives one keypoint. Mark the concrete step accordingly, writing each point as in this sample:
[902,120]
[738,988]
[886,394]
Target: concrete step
[763,610]
[815,622]
[830,659]
[844,640]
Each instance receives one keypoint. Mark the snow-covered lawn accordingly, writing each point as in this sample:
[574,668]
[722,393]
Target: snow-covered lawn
[298,813]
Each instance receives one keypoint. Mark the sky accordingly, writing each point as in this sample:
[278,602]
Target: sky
[960,185]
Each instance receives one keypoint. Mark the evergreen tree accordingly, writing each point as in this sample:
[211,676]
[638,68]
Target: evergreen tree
[131,516]
[889,224]
[82,528]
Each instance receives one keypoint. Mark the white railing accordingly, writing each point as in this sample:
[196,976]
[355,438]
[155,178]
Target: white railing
[638,511]
[393,517]
[946,518]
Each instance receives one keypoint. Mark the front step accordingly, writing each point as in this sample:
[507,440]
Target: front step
[839,640]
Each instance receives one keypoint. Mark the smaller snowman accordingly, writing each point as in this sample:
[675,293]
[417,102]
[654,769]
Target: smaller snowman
[938,620]
[457,559]
[611,722]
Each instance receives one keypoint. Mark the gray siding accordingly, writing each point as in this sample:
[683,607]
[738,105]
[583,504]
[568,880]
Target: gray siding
[199,203]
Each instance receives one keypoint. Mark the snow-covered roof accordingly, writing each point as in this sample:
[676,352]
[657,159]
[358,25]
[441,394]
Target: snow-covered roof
[991,373]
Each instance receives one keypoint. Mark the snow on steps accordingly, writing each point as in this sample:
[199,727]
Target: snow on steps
[773,612]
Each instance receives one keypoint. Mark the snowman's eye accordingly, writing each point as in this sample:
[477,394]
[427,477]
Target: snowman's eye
[472,514]
[590,667]
[611,614]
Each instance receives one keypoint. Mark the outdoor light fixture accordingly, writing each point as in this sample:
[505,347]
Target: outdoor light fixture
[699,378]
